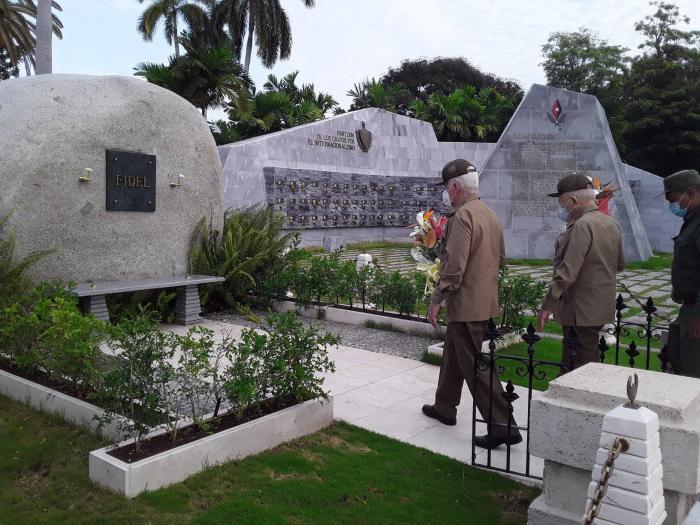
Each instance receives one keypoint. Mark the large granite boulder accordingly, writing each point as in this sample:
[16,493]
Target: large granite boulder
[54,129]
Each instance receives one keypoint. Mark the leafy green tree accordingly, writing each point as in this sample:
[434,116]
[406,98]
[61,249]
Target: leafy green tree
[662,95]
[663,37]
[168,11]
[269,111]
[372,93]
[300,94]
[466,114]
[206,76]
[422,77]
[264,21]
[580,61]
[19,25]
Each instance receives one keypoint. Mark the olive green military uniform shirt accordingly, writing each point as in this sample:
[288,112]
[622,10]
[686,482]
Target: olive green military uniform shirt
[471,254]
[684,352]
[587,257]
[685,271]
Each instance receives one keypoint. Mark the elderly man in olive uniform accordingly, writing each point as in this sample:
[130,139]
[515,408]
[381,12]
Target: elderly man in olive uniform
[682,190]
[470,256]
[587,257]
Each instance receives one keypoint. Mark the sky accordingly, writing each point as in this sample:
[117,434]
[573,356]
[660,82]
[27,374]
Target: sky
[341,42]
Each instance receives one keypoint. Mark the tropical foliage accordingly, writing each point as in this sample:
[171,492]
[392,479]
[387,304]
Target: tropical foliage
[466,114]
[18,33]
[264,21]
[650,100]
[13,273]
[281,105]
[168,12]
[243,253]
[206,76]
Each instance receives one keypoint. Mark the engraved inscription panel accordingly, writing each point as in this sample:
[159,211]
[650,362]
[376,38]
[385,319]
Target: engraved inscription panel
[530,190]
[131,181]
[321,199]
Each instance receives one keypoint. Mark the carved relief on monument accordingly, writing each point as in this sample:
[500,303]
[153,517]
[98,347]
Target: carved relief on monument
[321,199]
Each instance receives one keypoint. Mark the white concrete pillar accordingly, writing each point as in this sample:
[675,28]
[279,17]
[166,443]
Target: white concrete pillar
[635,494]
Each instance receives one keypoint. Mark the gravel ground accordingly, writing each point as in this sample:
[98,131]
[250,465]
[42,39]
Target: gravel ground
[372,339]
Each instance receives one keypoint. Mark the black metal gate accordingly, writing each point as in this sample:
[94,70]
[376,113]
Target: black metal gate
[529,370]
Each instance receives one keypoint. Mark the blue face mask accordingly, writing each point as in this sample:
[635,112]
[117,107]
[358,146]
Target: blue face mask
[676,209]
[563,213]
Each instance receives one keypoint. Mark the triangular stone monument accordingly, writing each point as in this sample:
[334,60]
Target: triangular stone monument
[553,133]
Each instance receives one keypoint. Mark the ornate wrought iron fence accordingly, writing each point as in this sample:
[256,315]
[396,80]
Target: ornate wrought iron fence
[630,337]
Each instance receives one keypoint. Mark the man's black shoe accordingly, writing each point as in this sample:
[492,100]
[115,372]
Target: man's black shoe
[488,442]
[429,410]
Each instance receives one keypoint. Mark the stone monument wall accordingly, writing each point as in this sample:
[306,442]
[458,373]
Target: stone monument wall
[149,166]
[360,195]
[661,225]
[553,133]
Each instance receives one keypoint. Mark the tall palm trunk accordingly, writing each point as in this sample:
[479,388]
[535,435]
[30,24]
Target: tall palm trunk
[249,43]
[177,45]
[44,33]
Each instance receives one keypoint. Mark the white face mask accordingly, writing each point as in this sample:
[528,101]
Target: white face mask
[446,198]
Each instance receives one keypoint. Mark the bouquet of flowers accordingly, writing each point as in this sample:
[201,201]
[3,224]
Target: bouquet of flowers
[427,235]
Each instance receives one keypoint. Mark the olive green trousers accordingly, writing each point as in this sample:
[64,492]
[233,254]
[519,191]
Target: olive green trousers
[683,352]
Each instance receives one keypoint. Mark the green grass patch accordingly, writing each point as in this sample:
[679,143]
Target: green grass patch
[658,261]
[431,359]
[529,262]
[550,350]
[340,475]
[381,245]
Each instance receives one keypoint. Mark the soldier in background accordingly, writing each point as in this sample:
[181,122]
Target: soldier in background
[587,257]
[682,191]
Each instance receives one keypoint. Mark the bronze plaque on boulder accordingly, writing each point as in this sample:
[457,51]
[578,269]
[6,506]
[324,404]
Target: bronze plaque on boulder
[131,181]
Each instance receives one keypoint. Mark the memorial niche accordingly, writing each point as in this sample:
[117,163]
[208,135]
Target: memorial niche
[332,200]
[131,181]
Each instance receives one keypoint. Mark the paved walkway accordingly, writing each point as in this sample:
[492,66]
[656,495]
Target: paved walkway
[384,394]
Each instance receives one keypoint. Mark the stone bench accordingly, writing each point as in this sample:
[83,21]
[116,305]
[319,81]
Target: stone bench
[187,305]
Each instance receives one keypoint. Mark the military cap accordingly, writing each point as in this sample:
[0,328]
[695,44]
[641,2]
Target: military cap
[571,183]
[681,180]
[454,169]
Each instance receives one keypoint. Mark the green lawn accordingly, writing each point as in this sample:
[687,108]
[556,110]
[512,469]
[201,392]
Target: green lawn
[658,261]
[549,349]
[529,262]
[340,475]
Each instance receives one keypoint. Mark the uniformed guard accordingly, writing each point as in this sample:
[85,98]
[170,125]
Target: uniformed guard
[587,257]
[682,190]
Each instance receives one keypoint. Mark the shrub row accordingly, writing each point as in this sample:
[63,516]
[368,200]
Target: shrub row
[160,377]
[312,278]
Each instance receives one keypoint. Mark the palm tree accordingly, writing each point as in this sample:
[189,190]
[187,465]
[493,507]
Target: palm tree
[43,56]
[300,94]
[465,113]
[168,11]
[266,21]
[374,94]
[18,30]
[205,76]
